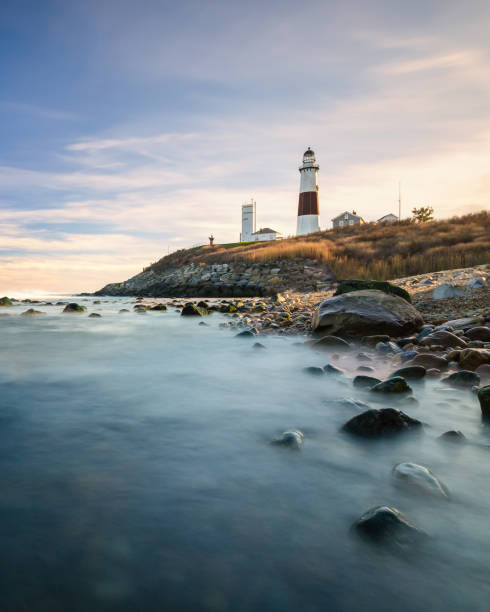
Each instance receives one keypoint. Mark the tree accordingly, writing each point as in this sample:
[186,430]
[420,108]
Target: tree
[423,214]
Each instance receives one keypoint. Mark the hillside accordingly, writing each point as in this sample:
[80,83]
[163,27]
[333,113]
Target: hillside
[310,263]
[380,252]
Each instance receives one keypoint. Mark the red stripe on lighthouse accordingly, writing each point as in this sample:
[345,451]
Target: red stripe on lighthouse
[308,203]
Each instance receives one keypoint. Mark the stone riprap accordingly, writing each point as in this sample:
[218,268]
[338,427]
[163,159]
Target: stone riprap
[236,279]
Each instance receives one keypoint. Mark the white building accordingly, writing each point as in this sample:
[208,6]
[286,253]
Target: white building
[248,222]
[346,218]
[389,218]
[308,209]
[266,233]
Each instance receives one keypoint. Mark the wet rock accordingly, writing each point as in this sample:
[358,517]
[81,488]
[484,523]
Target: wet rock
[453,436]
[387,525]
[203,324]
[192,310]
[123,311]
[472,358]
[396,384]
[365,382]
[74,308]
[31,313]
[247,333]
[463,379]
[203,304]
[363,357]
[258,345]
[365,368]
[328,342]
[433,373]
[407,355]
[140,308]
[429,360]
[331,369]
[446,291]
[349,286]
[5,301]
[387,348]
[377,423]
[484,399]
[374,340]
[354,314]
[290,439]
[410,372]
[94,315]
[161,307]
[443,338]
[313,371]
[478,333]
[420,478]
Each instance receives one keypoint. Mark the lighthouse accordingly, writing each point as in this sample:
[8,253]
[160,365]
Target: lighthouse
[308,210]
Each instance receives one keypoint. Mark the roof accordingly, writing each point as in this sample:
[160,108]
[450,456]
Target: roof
[388,215]
[309,152]
[346,212]
[265,230]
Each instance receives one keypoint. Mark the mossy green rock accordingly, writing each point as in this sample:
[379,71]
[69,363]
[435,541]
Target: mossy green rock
[74,308]
[359,285]
[192,310]
[5,301]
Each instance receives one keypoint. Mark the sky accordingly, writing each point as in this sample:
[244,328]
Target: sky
[131,128]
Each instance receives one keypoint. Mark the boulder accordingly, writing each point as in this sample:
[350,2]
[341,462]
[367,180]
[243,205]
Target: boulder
[94,315]
[74,308]
[478,333]
[353,314]
[290,439]
[446,291]
[484,399]
[313,371]
[5,301]
[365,382]
[328,342]
[374,340]
[347,286]
[429,361]
[376,423]
[419,478]
[31,313]
[387,525]
[465,379]
[331,369]
[453,436]
[192,310]
[396,384]
[472,358]
[443,338]
[246,333]
[123,311]
[161,307]
[258,345]
[410,372]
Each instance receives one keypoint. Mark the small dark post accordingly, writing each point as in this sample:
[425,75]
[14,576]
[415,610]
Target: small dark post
[211,240]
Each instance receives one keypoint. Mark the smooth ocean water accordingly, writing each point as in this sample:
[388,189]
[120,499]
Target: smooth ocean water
[137,474]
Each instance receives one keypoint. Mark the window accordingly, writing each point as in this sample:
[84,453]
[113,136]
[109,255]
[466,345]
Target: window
[341,223]
[351,222]
[346,216]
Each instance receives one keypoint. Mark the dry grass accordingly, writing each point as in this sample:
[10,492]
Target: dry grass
[373,251]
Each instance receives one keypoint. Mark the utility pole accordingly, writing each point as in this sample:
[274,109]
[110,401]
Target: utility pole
[399,201]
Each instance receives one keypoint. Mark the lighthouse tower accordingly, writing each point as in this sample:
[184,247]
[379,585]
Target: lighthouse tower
[308,210]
